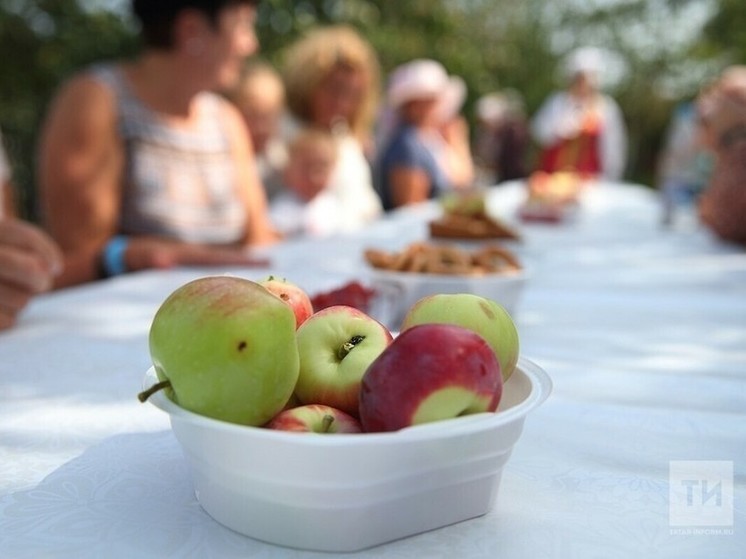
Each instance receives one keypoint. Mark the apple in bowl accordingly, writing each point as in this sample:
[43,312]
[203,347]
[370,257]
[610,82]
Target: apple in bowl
[336,345]
[315,418]
[484,316]
[293,296]
[430,372]
[224,347]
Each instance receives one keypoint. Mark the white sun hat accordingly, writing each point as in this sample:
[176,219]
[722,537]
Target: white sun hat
[584,60]
[423,79]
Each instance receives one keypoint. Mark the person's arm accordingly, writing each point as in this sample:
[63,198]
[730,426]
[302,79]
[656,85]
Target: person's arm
[460,163]
[29,260]
[80,168]
[408,185]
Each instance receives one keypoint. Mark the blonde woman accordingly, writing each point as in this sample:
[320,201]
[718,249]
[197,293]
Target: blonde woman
[332,80]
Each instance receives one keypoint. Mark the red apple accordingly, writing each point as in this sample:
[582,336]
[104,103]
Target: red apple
[484,316]
[335,346]
[315,418]
[430,372]
[293,296]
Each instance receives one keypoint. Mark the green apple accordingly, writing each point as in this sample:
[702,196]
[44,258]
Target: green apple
[429,373]
[225,347]
[336,345]
[484,316]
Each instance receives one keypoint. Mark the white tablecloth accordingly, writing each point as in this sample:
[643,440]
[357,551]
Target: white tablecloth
[642,329]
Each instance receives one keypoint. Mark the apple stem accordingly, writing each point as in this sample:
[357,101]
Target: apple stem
[326,423]
[145,394]
[348,346]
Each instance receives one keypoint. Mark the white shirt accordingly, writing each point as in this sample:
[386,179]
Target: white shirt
[292,216]
[557,118]
[352,185]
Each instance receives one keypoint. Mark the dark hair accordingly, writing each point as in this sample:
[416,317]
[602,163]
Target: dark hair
[157,16]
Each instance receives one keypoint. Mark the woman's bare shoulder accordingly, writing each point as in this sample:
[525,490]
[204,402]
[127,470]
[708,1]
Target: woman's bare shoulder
[84,96]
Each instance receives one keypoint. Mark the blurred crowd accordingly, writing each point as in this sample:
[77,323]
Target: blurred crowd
[198,150]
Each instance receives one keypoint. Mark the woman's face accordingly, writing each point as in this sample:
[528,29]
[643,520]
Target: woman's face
[583,84]
[231,40]
[420,112]
[339,96]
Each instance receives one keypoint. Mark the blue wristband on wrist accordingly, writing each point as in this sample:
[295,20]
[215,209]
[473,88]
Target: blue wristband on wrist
[112,258]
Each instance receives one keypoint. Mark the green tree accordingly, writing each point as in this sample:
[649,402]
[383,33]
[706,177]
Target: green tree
[49,40]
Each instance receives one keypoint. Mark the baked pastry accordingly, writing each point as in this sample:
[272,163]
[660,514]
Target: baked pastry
[475,226]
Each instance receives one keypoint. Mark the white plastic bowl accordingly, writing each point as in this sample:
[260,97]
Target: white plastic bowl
[398,291]
[346,492]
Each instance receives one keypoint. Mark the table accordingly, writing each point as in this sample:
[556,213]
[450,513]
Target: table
[642,329]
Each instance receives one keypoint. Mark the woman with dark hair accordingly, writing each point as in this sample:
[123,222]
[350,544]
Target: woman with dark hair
[142,165]
[417,160]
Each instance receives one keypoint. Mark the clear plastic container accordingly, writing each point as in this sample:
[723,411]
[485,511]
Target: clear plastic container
[398,291]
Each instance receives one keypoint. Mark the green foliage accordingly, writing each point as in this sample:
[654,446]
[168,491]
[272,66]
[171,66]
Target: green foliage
[49,40]
[726,32]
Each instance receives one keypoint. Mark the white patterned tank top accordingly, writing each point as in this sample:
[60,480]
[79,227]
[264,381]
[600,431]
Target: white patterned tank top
[178,183]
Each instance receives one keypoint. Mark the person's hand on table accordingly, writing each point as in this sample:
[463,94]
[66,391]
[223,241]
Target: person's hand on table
[29,261]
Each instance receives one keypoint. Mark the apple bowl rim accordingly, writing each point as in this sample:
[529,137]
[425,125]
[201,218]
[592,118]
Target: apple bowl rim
[541,388]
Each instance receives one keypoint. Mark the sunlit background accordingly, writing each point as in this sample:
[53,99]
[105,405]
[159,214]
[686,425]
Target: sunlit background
[659,52]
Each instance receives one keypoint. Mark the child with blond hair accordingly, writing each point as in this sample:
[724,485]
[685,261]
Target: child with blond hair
[304,204]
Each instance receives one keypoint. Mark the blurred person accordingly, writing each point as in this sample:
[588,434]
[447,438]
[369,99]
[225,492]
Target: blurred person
[581,129]
[684,162]
[452,146]
[722,205]
[502,136]
[331,80]
[260,97]
[417,159]
[305,206]
[6,185]
[29,259]
[141,165]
